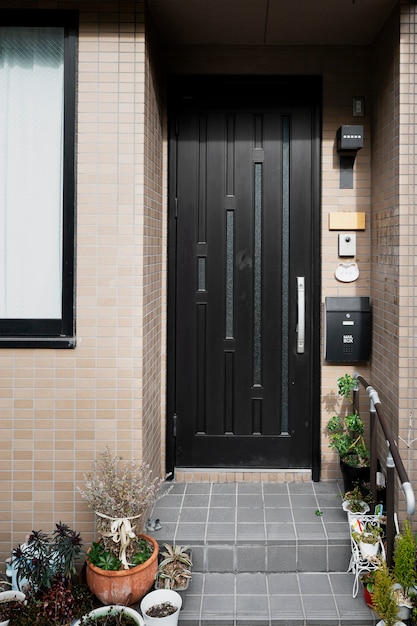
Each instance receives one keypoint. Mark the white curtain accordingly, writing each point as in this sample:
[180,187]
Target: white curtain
[31,171]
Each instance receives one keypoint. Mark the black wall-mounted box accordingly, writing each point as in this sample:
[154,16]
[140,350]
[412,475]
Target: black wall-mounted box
[349,137]
[347,329]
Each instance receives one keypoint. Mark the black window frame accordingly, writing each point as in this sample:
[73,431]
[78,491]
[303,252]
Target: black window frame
[55,333]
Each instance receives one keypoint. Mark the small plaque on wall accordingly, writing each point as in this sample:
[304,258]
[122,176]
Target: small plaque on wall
[347,220]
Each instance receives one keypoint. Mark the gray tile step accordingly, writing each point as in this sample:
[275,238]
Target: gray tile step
[272,527]
[276,599]
[262,555]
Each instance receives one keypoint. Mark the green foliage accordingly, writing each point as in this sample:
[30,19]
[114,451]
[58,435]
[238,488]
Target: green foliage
[99,556]
[102,558]
[143,551]
[383,599]
[54,596]
[370,534]
[405,557]
[346,384]
[43,559]
[346,433]
[357,500]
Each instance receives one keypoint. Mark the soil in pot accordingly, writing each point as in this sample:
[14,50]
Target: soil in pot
[161,610]
[118,619]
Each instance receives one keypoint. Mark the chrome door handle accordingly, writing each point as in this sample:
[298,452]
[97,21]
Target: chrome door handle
[300,314]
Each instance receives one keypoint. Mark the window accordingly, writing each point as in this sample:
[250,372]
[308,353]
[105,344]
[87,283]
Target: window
[37,212]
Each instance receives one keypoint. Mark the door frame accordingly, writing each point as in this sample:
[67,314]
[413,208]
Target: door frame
[312,87]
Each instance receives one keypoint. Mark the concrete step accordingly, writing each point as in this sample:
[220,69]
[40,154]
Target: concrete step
[270,554]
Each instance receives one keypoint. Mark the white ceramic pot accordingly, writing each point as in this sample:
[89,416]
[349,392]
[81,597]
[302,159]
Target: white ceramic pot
[158,597]
[112,609]
[364,507]
[368,549]
[382,623]
[10,595]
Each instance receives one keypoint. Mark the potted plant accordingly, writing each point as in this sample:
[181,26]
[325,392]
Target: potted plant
[115,615]
[122,564]
[368,581]
[346,437]
[383,599]
[174,569]
[161,607]
[354,501]
[368,539]
[404,602]
[8,600]
[404,558]
[45,567]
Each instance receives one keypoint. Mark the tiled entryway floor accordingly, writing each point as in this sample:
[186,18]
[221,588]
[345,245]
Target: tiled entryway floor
[263,553]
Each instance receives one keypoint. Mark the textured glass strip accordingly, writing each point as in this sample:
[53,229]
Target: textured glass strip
[257,279]
[229,273]
[201,273]
[201,367]
[285,270]
[202,180]
[229,392]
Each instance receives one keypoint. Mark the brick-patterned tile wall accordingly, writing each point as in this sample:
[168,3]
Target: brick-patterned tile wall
[394,228]
[59,408]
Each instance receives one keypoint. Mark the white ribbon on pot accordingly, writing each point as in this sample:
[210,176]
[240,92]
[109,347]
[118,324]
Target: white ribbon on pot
[121,532]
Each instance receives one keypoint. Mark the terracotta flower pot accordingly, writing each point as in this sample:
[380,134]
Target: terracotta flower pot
[126,587]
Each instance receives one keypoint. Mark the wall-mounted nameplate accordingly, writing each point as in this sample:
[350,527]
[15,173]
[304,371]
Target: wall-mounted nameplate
[347,220]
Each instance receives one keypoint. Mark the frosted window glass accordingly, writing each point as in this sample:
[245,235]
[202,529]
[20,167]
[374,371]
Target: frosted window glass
[31,171]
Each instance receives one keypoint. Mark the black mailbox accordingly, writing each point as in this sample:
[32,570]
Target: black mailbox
[349,137]
[348,329]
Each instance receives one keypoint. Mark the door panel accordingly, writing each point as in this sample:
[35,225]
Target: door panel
[243,222]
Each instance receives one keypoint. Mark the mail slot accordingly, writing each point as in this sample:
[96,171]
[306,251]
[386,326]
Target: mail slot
[347,329]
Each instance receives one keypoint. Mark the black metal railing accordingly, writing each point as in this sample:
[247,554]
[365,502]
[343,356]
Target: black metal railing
[393,463]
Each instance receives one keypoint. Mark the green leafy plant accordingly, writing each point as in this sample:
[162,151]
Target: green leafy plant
[46,567]
[368,580]
[384,603]
[357,501]
[346,433]
[405,557]
[143,551]
[371,534]
[43,559]
[174,568]
[100,557]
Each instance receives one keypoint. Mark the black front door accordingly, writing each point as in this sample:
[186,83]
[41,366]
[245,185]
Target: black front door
[244,291]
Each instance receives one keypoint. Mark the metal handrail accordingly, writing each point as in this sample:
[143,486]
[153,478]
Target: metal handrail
[393,462]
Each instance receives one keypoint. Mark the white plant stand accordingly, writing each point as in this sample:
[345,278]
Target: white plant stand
[359,564]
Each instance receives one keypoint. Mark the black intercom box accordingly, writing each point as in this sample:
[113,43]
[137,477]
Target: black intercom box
[347,329]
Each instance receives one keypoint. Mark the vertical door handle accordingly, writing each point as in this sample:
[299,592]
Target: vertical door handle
[301,318]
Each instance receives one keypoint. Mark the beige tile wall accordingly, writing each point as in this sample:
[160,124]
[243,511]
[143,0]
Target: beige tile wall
[394,227]
[59,408]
